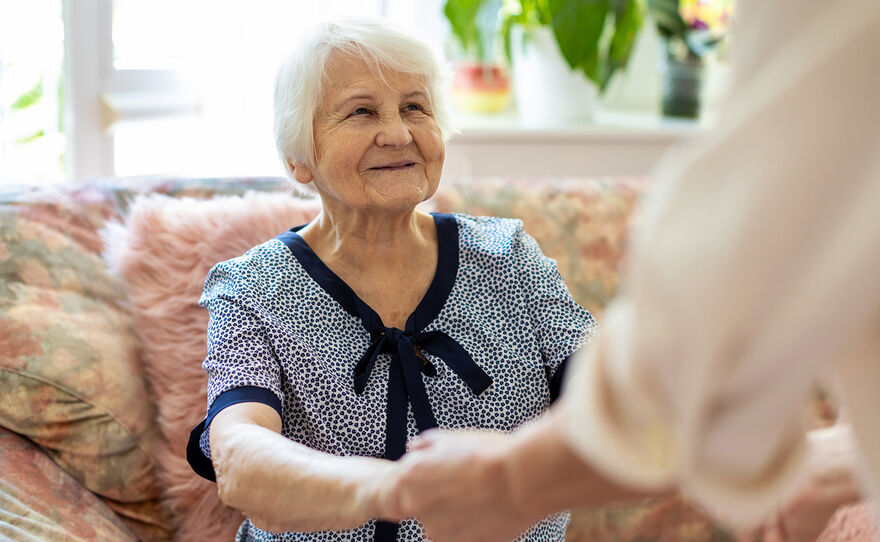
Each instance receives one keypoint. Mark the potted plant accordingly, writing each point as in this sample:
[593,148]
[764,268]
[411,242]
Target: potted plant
[690,29]
[481,83]
[564,52]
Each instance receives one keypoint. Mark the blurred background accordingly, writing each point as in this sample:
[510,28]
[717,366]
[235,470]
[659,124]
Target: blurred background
[100,88]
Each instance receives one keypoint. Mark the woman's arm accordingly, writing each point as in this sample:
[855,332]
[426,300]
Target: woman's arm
[282,485]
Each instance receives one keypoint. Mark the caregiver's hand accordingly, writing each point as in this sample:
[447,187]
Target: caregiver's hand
[456,483]
[826,483]
[469,486]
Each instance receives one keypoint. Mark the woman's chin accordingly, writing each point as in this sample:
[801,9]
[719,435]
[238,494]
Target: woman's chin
[401,195]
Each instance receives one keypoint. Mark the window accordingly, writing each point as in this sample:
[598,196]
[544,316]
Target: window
[187,87]
[32,141]
[98,88]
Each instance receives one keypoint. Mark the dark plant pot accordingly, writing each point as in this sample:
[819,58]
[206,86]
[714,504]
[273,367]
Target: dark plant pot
[682,86]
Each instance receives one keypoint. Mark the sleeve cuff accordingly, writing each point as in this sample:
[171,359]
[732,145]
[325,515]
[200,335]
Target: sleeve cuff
[612,423]
[200,463]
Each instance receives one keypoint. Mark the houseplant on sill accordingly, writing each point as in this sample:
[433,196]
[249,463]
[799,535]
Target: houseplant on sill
[690,30]
[564,53]
[481,83]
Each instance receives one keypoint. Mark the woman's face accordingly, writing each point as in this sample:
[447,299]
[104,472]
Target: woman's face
[378,146]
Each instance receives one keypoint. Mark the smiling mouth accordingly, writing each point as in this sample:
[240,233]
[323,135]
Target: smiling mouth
[394,166]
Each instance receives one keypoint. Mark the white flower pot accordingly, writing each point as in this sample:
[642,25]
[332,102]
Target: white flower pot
[547,91]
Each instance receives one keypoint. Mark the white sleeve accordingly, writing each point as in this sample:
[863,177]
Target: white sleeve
[756,258]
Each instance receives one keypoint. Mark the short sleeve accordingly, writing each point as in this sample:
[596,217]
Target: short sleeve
[560,324]
[240,361]
[239,353]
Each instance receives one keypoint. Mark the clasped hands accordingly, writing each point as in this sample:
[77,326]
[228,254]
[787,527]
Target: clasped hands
[470,485]
[458,485]
[462,487]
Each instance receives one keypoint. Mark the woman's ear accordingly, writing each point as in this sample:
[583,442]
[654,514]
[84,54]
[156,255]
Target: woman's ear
[301,172]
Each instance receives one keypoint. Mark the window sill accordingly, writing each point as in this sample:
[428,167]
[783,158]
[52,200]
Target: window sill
[614,143]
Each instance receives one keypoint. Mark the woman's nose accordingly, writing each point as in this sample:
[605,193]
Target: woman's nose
[394,133]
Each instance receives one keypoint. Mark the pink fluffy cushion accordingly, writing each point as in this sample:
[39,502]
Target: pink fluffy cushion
[854,523]
[162,254]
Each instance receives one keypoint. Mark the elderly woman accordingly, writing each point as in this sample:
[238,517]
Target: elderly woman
[334,343]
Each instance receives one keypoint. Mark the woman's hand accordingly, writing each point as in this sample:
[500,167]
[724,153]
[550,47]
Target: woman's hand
[827,482]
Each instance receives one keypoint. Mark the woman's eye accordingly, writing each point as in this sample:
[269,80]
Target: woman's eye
[360,111]
[413,107]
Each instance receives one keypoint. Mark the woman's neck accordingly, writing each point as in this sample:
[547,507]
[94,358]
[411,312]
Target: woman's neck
[363,239]
[388,259]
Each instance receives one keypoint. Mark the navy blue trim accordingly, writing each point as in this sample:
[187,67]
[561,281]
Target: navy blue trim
[444,277]
[245,394]
[558,378]
[320,273]
[386,531]
[428,308]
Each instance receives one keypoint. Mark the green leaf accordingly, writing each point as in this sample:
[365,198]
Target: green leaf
[593,68]
[33,137]
[578,27]
[512,12]
[29,98]
[628,18]
[526,13]
[506,24]
[463,17]
[668,18]
[595,37]
[542,12]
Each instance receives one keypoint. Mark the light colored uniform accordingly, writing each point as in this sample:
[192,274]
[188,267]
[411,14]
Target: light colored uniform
[754,268]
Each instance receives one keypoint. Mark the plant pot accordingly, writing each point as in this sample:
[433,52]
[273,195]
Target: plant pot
[547,91]
[480,88]
[682,86]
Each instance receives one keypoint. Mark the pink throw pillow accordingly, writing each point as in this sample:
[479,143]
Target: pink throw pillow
[163,254]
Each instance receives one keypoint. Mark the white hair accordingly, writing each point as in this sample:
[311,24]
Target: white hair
[381,45]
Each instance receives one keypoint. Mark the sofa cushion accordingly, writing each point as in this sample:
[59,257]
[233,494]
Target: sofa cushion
[70,377]
[40,501]
[163,254]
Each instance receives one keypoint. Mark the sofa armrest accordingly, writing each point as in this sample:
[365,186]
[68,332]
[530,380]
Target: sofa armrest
[39,501]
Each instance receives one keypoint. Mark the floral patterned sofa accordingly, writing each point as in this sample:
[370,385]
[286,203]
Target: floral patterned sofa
[81,432]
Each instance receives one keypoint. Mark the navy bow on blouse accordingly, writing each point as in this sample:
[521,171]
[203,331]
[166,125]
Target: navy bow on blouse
[408,364]
[405,371]
[405,377]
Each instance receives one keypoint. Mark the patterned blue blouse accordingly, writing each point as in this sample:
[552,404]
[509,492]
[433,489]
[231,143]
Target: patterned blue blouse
[484,348]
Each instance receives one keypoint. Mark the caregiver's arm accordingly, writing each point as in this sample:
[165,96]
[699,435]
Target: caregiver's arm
[828,481]
[752,269]
[282,485]
[546,475]
[479,486]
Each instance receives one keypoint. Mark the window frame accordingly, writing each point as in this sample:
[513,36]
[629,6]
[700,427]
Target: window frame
[98,95]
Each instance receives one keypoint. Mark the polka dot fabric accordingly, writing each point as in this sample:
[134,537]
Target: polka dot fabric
[274,326]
